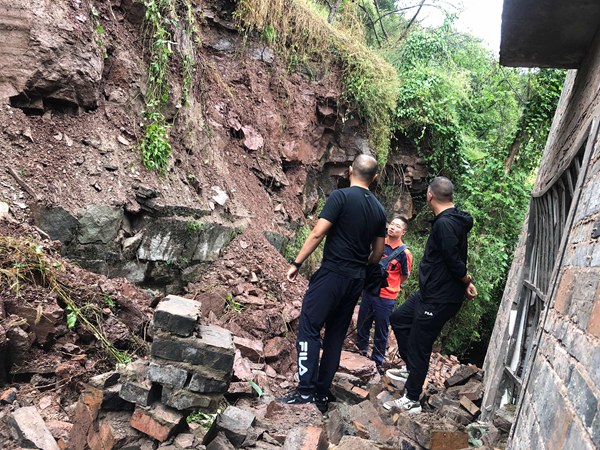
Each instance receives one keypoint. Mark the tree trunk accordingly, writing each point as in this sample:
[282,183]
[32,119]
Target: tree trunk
[333,10]
[513,152]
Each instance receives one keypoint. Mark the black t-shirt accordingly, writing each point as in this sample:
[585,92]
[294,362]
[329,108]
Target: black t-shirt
[357,218]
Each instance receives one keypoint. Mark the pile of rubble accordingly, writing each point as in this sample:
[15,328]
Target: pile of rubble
[212,375]
[147,403]
[189,369]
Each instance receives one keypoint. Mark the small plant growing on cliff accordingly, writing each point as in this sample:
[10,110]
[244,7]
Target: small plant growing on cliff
[155,146]
[95,15]
[195,226]
[269,34]
[71,317]
[110,302]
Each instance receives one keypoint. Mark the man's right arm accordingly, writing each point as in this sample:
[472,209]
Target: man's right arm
[310,244]
[448,242]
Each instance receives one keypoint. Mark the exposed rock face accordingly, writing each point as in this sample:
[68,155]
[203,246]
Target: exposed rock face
[47,62]
[157,250]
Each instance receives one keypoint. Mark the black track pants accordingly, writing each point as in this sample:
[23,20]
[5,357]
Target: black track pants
[416,326]
[330,301]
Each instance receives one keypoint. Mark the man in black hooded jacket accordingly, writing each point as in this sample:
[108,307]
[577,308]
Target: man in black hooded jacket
[443,284]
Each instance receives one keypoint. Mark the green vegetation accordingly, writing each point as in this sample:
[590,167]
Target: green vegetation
[443,93]
[25,264]
[163,26]
[195,226]
[300,31]
[484,127]
[110,302]
[256,388]
[232,305]
[99,29]
[203,419]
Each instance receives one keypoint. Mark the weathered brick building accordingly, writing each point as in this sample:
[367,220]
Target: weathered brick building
[544,355]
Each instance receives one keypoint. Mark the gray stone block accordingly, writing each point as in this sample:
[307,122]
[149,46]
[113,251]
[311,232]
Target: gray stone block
[99,224]
[168,239]
[214,349]
[235,423]
[112,401]
[220,442]
[177,315]
[124,437]
[202,383]
[142,393]
[105,380]
[134,371]
[31,429]
[58,223]
[167,375]
[184,400]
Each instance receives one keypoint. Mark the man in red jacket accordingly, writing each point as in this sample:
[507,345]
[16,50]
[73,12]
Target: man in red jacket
[378,307]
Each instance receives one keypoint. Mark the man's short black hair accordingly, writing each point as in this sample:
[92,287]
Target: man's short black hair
[365,167]
[402,219]
[442,189]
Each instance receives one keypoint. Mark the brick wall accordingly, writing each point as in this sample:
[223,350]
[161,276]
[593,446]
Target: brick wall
[559,405]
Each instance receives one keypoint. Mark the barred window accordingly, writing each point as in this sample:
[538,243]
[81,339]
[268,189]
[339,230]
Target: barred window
[548,213]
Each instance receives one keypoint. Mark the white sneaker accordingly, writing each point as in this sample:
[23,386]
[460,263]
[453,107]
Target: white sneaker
[400,374]
[404,403]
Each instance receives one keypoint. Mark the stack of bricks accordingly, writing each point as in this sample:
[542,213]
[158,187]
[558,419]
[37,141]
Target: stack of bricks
[190,365]
[441,368]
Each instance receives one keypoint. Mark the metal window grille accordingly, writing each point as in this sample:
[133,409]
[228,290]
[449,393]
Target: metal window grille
[548,214]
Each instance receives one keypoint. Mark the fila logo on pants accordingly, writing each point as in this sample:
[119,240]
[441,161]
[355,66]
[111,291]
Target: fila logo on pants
[302,356]
[427,313]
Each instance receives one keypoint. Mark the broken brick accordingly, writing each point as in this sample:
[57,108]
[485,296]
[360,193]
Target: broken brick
[306,438]
[449,440]
[158,422]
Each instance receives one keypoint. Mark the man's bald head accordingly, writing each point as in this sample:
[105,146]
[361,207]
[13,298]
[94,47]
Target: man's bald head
[364,168]
[442,189]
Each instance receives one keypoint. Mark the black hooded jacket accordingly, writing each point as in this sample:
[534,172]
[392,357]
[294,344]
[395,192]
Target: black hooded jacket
[444,262]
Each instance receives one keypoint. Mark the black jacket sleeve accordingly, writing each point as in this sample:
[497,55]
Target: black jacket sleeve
[448,240]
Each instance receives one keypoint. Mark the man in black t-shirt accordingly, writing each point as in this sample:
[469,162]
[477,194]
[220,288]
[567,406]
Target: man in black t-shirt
[354,222]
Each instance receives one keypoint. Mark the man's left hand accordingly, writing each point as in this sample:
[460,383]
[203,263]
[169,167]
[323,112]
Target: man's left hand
[471,291]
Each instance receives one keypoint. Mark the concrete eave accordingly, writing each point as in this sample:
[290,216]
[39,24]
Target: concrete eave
[548,33]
